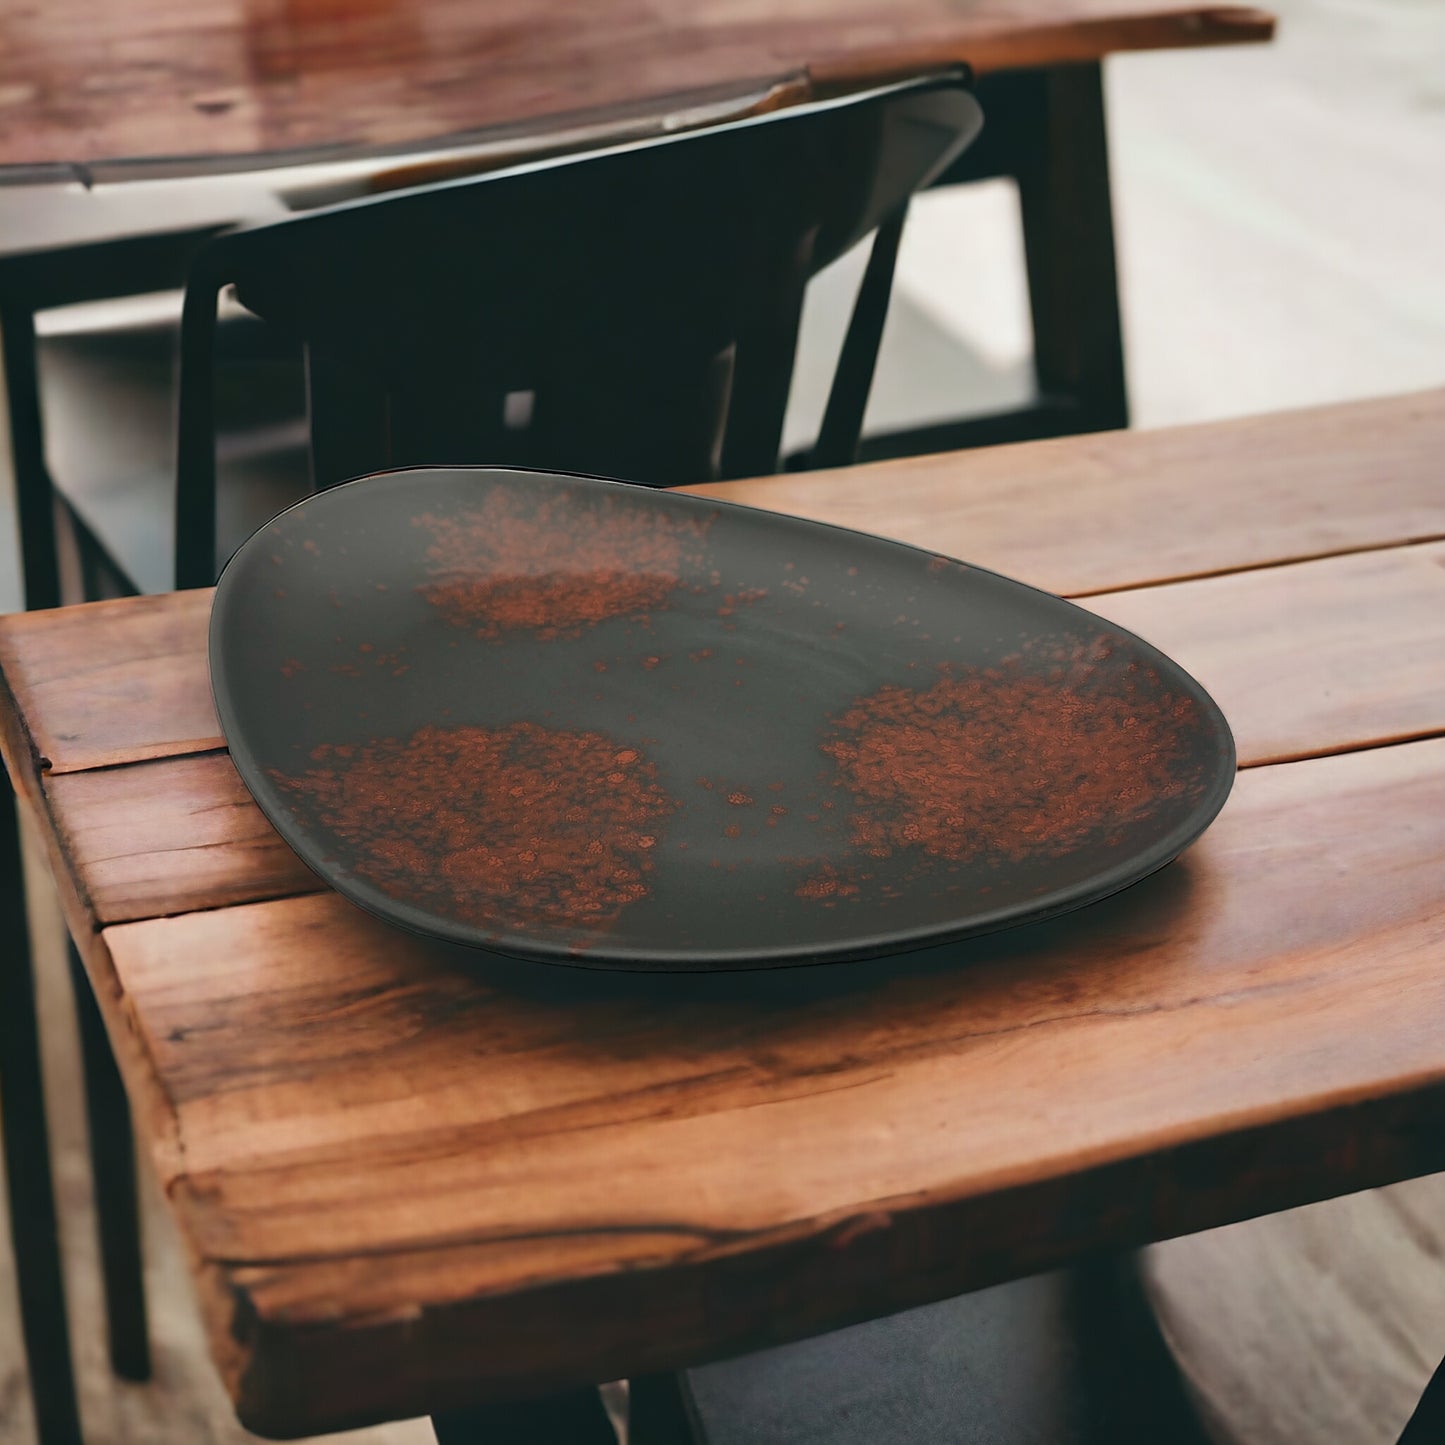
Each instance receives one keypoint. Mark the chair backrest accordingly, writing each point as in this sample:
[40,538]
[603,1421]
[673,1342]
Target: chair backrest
[632,312]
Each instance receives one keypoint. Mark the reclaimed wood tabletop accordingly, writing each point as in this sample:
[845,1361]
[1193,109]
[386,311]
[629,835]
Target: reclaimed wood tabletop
[85,82]
[412,1178]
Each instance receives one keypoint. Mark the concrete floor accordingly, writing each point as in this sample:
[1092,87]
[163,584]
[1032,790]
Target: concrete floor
[1281,227]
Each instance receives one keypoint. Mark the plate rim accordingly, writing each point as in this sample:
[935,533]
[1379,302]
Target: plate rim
[599,956]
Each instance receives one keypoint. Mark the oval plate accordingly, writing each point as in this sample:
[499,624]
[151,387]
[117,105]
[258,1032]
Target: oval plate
[579,721]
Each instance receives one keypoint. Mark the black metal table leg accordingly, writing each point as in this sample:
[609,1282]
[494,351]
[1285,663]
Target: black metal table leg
[1068,226]
[27,1158]
[575,1417]
[111,1144]
[658,1412]
[1045,130]
[112,1164]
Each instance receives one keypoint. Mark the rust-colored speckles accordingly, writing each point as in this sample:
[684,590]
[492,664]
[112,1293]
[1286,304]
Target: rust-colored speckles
[733,600]
[1032,758]
[292,667]
[827,884]
[508,827]
[310,546]
[375,658]
[554,565]
[740,799]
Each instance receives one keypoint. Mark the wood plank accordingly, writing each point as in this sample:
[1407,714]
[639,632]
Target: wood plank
[1086,514]
[234,78]
[170,837]
[123,676]
[492,1176]
[1312,658]
[111,682]
[1306,659]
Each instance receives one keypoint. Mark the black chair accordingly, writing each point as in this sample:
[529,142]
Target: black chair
[632,312]
[1068,1358]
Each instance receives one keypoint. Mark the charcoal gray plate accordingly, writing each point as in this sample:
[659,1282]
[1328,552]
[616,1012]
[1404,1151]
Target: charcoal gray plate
[578,721]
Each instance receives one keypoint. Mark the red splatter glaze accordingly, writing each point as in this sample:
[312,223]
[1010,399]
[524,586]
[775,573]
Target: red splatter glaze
[530,561]
[1036,757]
[504,828]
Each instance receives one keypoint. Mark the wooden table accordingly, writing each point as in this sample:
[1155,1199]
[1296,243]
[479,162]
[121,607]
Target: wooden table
[411,1180]
[84,82]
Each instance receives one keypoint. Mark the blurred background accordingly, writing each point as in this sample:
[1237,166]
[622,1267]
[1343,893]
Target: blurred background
[1279,215]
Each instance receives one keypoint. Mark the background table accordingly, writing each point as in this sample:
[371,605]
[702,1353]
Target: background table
[84,82]
[412,1179]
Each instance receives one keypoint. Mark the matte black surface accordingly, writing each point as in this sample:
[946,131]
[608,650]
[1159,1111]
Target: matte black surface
[1068,1358]
[576,1417]
[112,1164]
[720,695]
[1427,1423]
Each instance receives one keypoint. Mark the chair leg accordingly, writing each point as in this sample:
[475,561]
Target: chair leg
[111,1142]
[112,1164]
[575,1417]
[33,1229]
[837,444]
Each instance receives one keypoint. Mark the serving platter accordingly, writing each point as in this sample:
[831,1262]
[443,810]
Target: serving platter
[578,721]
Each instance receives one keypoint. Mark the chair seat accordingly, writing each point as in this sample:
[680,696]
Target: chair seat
[1058,1359]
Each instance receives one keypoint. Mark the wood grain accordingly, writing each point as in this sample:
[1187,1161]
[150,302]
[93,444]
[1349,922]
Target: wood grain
[1077,516]
[107,673]
[1121,509]
[1313,658]
[780,1150]
[172,836]
[413,1177]
[84,81]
